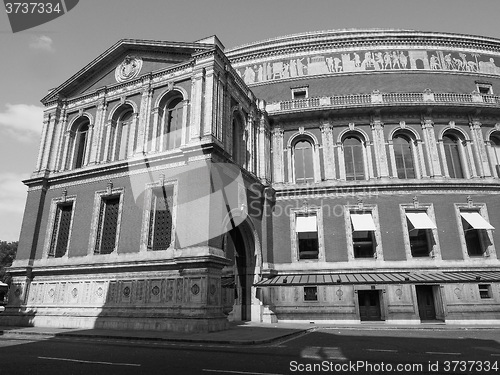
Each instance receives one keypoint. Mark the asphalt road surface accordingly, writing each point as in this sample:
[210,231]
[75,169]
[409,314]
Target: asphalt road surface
[324,351]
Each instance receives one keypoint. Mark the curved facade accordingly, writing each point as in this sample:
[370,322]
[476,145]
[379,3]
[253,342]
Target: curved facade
[326,176]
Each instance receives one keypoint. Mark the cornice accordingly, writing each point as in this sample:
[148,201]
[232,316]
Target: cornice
[120,47]
[373,188]
[341,39]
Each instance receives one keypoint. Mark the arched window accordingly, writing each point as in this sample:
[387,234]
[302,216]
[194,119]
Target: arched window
[238,141]
[452,152]
[303,162]
[403,154]
[495,145]
[123,126]
[81,140]
[354,158]
[172,124]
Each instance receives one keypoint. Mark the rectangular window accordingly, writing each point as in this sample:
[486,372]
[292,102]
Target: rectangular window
[474,226]
[485,291]
[61,231]
[160,219]
[300,93]
[420,228]
[484,88]
[363,235]
[310,293]
[307,236]
[107,225]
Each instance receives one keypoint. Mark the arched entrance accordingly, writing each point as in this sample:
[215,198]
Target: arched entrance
[240,248]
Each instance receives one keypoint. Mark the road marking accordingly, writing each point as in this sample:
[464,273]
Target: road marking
[442,353]
[95,362]
[239,372]
[383,350]
[496,355]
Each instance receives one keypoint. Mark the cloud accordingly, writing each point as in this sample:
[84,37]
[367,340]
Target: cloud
[12,202]
[22,121]
[42,43]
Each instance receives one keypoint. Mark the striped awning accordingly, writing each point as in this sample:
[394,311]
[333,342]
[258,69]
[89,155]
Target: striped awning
[382,278]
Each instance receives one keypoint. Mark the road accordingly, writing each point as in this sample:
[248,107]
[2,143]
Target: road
[327,349]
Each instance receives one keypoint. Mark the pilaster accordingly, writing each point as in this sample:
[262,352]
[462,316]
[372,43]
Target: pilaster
[431,148]
[197,104]
[379,148]
[328,151]
[278,156]
[480,153]
[98,132]
[144,117]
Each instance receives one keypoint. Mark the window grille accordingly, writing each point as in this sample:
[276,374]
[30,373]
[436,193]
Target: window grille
[108,222]
[160,220]
[60,233]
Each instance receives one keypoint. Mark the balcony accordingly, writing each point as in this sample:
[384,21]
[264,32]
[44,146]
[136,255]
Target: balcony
[378,99]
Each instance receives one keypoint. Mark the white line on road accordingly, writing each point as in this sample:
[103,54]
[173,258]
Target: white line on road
[96,362]
[496,355]
[239,372]
[383,350]
[442,353]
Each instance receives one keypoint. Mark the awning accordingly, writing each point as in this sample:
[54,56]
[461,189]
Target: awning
[363,222]
[382,278]
[476,221]
[305,224]
[420,220]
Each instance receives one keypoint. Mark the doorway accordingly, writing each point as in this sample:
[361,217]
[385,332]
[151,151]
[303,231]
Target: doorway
[239,248]
[426,302]
[369,305]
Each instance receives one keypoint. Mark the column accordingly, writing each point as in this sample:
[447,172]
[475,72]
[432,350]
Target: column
[379,148]
[278,157]
[98,132]
[68,144]
[154,146]
[89,147]
[108,147]
[144,117]
[340,157]
[209,122]
[197,103]
[61,140]
[431,148]
[480,152]
[49,141]
[392,157]
[468,160]
[328,151]
[132,135]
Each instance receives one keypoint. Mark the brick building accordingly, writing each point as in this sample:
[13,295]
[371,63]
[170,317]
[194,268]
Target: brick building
[326,176]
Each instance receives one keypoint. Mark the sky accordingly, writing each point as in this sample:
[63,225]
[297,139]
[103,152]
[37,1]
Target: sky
[35,60]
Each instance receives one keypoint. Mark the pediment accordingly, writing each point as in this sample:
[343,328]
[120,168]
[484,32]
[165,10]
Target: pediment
[126,60]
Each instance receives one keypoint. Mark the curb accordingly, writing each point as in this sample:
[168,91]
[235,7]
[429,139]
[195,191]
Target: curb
[161,339]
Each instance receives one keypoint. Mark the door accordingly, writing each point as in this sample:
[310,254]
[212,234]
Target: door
[369,305]
[425,300]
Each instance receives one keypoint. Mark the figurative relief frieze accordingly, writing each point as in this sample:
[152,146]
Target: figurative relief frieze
[386,60]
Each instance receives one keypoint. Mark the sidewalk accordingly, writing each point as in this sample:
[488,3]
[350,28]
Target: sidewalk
[238,334]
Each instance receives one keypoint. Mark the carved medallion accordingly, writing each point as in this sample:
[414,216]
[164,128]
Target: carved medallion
[155,291]
[128,69]
[195,289]
[126,291]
